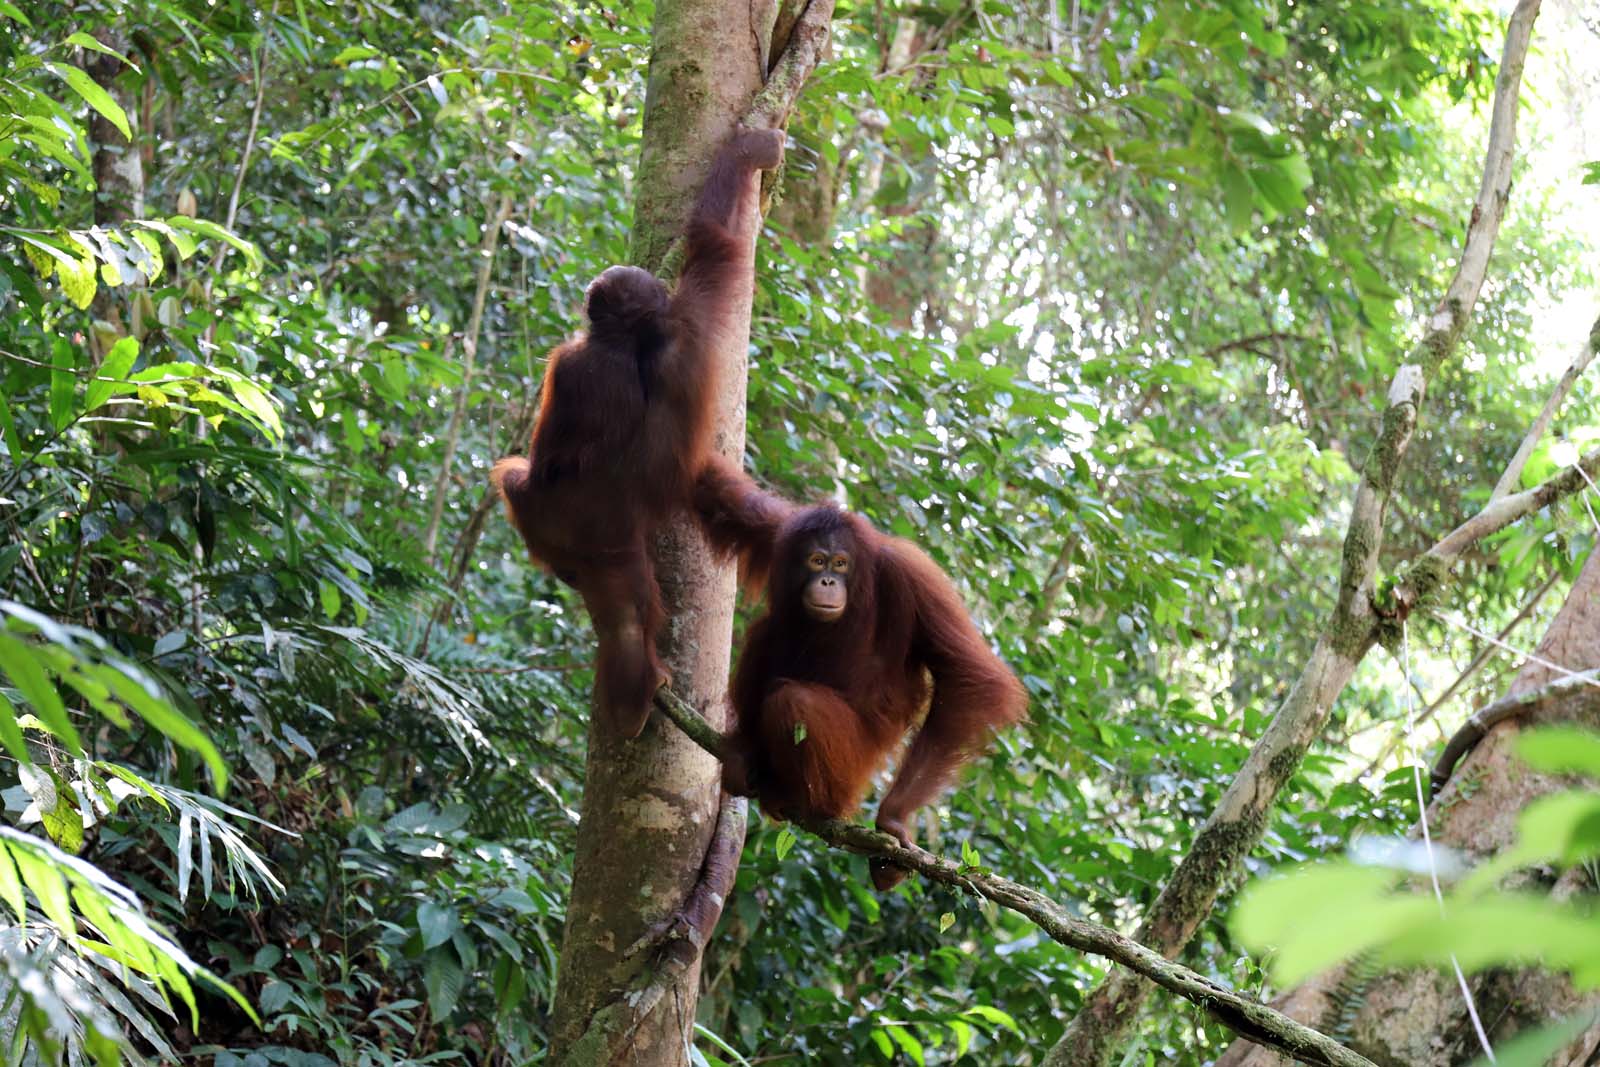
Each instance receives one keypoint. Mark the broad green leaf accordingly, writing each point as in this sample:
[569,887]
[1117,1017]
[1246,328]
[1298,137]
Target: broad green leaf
[49,888]
[62,385]
[1238,198]
[908,1044]
[1537,1047]
[331,599]
[785,842]
[443,978]
[1561,750]
[436,922]
[83,40]
[993,1015]
[93,95]
[118,362]
[21,662]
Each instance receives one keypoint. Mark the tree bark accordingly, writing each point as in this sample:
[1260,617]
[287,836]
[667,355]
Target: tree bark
[656,851]
[117,165]
[1417,1018]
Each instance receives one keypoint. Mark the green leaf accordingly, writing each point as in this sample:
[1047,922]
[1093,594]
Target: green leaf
[1537,1047]
[156,711]
[1238,198]
[93,95]
[785,842]
[11,885]
[908,1044]
[799,732]
[436,922]
[946,921]
[443,979]
[62,385]
[995,1016]
[969,855]
[118,362]
[963,1032]
[331,600]
[10,11]
[275,997]
[49,889]
[8,431]
[1561,750]
[83,40]
[11,732]
[21,662]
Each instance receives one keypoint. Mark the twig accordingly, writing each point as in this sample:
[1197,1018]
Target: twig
[1244,1016]
[469,345]
[244,160]
[1511,707]
[1483,656]
[1558,396]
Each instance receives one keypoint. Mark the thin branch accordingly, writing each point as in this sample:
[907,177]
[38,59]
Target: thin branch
[1244,1016]
[1483,656]
[1502,512]
[1510,707]
[1558,396]
[244,160]
[469,344]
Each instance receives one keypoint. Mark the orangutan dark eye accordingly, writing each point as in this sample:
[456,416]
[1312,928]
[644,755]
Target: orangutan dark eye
[817,561]
[841,563]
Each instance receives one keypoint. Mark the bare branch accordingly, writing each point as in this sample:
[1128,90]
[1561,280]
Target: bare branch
[469,344]
[1502,512]
[801,54]
[1508,707]
[1558,396]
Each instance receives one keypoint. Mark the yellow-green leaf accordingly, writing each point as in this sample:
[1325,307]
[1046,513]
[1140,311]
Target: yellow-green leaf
[93,95]
[113,369]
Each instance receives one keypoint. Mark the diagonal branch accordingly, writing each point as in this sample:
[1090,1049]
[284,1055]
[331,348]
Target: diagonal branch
[1244,1016]
[1241,816]
[1558,396]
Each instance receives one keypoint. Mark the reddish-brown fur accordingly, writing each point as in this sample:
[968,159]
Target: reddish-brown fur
[855,685]
[625,420]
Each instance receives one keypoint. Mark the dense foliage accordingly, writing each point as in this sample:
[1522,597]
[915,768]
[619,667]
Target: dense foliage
[1092,300]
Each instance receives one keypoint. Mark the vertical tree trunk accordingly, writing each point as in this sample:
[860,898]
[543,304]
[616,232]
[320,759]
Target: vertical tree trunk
[1418,1018]
[117,164]
[118,168]
[650,828]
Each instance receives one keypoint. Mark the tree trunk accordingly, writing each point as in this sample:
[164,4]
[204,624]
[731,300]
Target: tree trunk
[117,164]
[650,834]
[1417,1018]
[118,168]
